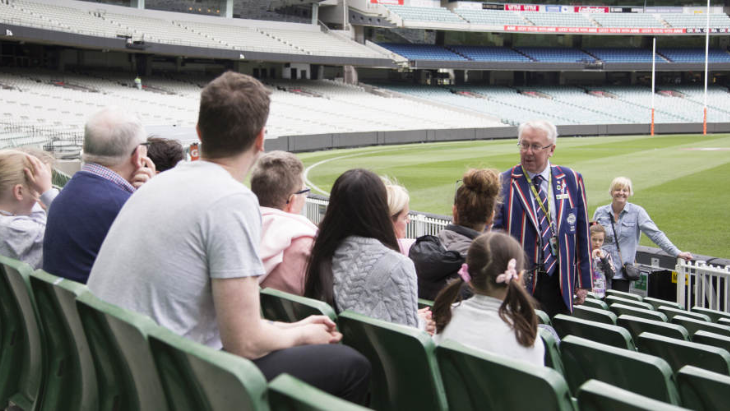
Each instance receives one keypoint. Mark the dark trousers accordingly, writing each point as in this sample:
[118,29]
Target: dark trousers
[333,368]
[547,293]
[620,285]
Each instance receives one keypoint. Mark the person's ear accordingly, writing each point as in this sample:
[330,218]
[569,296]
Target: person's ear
[552,150]
[455,213]
[18,192]
[137,158]
[259,143]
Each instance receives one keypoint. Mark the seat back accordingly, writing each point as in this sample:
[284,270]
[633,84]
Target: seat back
[197,377]
[404,370]
[594,314]
[71,378]
[543,317]
[477,380]
[281,306]
[290,394]
[595,395]
[621,309]
[672,312]
[714,315]
[657,302]
[612,299]
[604,333]
[693,325]
[710,338]
[423,303]
[679,353]
[125,370]
[640,373]
[552,350]
[590,302]
[22,367]
[623,294]
[702,390]
[638,325]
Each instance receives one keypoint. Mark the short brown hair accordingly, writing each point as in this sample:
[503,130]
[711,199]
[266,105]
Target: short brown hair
[165,153]
[233,110]
[477,197]
[276,176]
[596,227]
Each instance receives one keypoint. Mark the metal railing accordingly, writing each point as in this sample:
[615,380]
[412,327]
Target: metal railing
[702,285]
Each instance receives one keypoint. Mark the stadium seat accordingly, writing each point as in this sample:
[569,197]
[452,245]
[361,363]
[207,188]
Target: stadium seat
[636,372]
[656,303]
[621,309]
[622,294]
[589,302]
[22,366]
[197,377]
[693,325]
[290,394]
[604,333]
[723,321]
[543,317]
[638,325]
[423,303]
[714,315]
[702,390]
[671,312]
[612,299]
[710,338]
[477,380]
[404,370]
[593,295]
[71,379]
[679,353]
[594,314]
[552,350]
[598,396]
[280,306]
[125,369]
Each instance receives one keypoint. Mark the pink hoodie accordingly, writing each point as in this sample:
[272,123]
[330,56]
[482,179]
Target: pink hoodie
[286,242]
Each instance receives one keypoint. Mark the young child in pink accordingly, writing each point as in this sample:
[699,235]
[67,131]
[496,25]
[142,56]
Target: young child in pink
[603,270]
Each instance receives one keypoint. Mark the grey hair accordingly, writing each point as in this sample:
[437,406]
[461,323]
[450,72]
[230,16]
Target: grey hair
[111,135]
[543,125]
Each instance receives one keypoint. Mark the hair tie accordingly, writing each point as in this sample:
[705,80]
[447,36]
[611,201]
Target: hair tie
[464,273]
[509,274]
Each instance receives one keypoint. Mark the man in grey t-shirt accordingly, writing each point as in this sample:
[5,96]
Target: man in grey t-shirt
[184,251]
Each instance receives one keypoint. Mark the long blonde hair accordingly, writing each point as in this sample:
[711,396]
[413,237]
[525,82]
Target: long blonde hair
[12,164]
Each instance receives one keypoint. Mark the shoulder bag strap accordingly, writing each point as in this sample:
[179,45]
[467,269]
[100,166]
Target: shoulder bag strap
[615,238]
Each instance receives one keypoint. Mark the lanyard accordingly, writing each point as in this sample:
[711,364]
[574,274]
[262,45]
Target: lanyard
[537,196]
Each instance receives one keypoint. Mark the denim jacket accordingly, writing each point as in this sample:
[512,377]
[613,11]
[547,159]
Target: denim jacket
[632,221]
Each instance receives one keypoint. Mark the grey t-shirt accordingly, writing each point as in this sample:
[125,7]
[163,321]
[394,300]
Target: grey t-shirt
[182,228]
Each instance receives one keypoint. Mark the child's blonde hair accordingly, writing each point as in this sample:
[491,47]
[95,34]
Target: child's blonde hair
[12,164]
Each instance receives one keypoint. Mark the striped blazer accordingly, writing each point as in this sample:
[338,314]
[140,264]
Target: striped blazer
[516,216]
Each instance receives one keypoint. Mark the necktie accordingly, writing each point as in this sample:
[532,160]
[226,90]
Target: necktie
[545,231]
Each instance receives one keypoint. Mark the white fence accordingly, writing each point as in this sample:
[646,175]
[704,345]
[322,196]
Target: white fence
[702,285]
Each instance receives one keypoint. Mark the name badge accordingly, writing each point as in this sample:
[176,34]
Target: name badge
[561,196]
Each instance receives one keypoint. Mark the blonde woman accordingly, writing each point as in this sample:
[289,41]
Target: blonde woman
[398,208]
[629,220]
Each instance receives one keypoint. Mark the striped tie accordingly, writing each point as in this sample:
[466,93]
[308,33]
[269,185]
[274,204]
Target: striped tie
[545,232]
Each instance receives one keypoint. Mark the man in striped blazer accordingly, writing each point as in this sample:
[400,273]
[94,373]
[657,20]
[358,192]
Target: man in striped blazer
[544,208]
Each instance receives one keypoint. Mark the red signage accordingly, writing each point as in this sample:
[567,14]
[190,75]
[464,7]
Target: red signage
[590,9]
[522,7]
[593,30]
[391,2]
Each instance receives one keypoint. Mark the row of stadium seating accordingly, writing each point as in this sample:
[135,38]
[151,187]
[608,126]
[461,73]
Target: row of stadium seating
[411,14]
[554,54]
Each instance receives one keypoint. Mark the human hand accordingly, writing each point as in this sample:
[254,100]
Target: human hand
[318,334]
[598,253]
[580,296]
[426,315]
[685,255]
[38,175]
[319,319]
[145,171]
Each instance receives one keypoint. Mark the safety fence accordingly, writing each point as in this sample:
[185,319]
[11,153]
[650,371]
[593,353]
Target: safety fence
[702,285]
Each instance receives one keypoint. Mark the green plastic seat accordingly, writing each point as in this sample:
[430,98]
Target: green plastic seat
[710,338]
[672,312]
[22,363]
[281,306]
[623,309]
[622,294]
[703,390]
[404,370]
[639,373]
[589,302]
[543,317]
[126,376]
[594,314]
[657,302]
[612,299]
[595,395]
[679,353]
[71,377]
[693,325]
[592,295]
[287,393]
[638,325]
[197,377]
[714,315]
[604,333]
[477,380]
[723,321]
[423,303]
[552,350]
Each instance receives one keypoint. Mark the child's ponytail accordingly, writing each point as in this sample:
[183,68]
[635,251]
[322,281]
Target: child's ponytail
[441,310]
[518,307]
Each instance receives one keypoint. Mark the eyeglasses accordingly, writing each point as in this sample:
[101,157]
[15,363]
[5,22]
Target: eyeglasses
[146,144]
[535,148]
[303,191]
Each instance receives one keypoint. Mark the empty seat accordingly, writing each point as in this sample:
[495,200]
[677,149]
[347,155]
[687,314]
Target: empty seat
[679,353]
[612,299]
[589,302]
[656,303]
[423,303]
[638,325]
[604,333]
[281,306]
[623,294]
[404,370]
[477,380]
[710,338]
[290,394]
[594,314]
[639,373]
[671,312]
[543,317]
[693,325]
[599,396]
[703,390]
[714,315]
[621,309]
[552,350]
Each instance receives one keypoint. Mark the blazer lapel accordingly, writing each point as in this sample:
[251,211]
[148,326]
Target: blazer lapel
[559,190]
[522,189]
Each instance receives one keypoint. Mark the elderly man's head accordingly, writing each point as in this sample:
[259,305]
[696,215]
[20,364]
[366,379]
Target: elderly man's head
[112,136]
[536,140]
[277,181]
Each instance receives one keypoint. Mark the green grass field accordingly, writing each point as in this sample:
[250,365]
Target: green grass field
[683,184]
